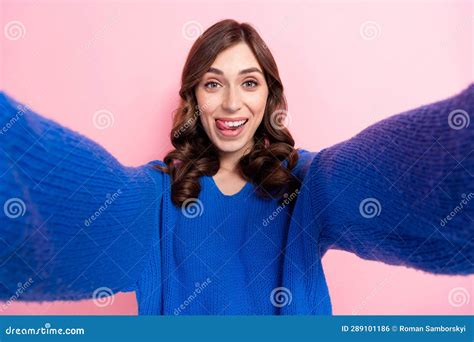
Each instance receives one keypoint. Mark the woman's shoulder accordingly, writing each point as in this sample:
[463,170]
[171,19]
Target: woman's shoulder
[159,176]
[154,163]
[305,154]
[305,158]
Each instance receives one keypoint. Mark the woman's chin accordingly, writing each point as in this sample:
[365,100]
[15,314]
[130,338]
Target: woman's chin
[229,146]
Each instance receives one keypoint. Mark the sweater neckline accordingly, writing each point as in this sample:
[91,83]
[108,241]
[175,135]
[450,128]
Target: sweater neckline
[244,190]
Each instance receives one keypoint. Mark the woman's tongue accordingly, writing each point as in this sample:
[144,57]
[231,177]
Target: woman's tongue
[221,125]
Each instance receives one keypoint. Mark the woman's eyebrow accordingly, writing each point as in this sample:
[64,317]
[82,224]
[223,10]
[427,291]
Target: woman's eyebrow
[244,71]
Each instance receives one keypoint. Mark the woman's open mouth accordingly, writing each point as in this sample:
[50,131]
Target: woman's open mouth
[231,128]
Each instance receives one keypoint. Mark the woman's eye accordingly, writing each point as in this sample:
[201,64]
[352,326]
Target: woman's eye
[211,84]
[250,84]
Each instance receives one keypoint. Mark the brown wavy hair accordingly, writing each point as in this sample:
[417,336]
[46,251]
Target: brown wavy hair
[269,163]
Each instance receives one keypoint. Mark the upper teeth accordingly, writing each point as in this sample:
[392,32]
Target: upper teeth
[234,123]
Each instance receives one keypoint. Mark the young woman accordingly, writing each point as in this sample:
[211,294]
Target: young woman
[234,220]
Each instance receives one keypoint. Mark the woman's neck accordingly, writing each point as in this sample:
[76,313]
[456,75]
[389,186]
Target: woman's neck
[229,160]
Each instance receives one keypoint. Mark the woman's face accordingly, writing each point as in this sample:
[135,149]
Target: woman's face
[231,96]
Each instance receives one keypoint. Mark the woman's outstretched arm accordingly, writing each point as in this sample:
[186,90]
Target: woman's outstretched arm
[402,190]
[74,222]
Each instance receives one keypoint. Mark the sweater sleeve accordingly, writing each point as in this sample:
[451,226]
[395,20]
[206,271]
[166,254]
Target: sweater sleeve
[402,190]
[305,158]
[74,222]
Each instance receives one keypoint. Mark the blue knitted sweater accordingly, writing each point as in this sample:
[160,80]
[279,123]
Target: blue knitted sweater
[76,224]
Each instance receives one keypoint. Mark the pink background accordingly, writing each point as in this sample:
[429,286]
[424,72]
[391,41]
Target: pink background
[75,58]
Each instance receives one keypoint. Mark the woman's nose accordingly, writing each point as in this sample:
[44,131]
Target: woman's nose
[232,101]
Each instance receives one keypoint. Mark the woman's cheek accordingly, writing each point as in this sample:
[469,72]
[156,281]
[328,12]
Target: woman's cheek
[209,102]
[258,107]
[205,121]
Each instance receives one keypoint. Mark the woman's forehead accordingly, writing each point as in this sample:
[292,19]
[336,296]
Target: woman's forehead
[235,60]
